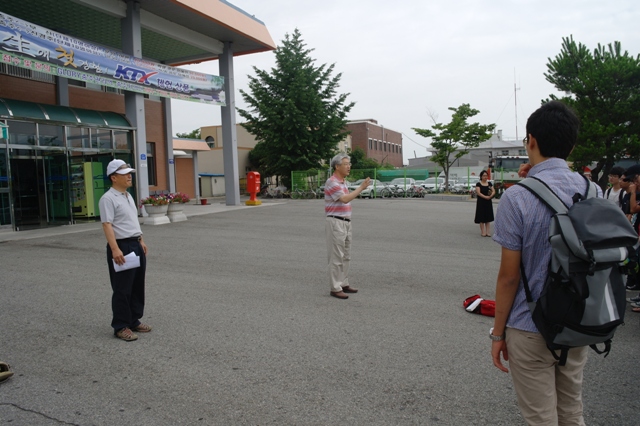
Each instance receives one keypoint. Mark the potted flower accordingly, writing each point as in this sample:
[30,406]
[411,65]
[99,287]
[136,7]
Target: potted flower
[156,207]
[177,200]
[155,200]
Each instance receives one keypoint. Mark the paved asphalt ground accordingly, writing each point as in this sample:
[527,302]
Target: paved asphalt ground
[245,332]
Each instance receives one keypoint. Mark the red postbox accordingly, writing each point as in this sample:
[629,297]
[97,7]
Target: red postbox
[253,188]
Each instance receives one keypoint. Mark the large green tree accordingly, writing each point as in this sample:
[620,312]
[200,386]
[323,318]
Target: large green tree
[603,87]
[296,114]
[453,140]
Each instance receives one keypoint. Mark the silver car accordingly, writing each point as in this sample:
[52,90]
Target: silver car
[370,191]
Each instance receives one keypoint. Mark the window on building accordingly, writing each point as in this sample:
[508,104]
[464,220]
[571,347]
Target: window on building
[77,83]
[370,144]
[50,135]
[505,152]
[375,144]
[522,152]
[26,73]
[22,133]
[151,163]
[78,137]
[123,139]
[101,139]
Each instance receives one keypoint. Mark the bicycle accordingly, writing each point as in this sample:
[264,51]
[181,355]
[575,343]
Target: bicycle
[391,192]
[303,194]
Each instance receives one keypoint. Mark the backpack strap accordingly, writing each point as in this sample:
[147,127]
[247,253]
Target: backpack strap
[545,194]
[608,193]
[549,198]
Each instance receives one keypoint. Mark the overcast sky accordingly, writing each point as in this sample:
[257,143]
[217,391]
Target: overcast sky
[401,60]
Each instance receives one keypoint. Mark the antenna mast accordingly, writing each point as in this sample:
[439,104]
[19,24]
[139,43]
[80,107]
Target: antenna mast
[515,100]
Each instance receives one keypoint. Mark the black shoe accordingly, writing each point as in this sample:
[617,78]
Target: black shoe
[633,287]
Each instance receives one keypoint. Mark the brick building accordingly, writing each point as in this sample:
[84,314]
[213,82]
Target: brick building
[378,142]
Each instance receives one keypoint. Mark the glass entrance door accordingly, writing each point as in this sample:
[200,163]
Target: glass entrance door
[40,189]
[5,205]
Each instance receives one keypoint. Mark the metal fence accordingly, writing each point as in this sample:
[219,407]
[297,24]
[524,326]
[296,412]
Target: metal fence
[310,183]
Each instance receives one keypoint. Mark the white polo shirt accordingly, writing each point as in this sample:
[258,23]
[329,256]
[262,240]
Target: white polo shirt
[119,209]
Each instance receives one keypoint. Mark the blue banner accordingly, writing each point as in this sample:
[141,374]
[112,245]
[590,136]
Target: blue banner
[30,46]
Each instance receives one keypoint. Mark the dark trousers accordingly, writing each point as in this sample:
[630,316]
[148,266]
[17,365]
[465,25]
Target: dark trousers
[127,301]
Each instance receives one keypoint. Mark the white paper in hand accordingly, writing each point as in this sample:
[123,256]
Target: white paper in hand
[131,261]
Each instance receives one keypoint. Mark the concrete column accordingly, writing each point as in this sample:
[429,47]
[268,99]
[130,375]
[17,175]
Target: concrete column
[168,129]
[229,137]
[196,181]
[134,102]
[62,91]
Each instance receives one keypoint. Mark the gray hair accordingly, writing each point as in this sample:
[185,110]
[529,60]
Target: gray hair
[337,160]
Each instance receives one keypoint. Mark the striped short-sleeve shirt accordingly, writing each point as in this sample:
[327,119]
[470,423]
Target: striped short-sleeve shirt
[522,224]
[335,188]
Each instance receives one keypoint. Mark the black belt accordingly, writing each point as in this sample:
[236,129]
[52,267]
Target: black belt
[138,238]
[340,218]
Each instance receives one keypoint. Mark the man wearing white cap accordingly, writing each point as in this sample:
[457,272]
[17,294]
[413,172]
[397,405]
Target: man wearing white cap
[119,216]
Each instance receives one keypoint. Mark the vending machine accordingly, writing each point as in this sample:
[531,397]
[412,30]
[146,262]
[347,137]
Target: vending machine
[88,185]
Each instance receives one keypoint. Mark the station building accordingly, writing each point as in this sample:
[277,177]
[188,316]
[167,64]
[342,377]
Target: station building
[85,81]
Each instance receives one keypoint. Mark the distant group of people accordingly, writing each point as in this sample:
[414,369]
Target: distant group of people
[625,192]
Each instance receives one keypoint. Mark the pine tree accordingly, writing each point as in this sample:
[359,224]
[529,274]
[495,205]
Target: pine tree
[603,87]
[296,114]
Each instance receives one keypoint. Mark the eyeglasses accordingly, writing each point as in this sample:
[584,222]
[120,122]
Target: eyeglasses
[629,179]
[525,141]
[614,176]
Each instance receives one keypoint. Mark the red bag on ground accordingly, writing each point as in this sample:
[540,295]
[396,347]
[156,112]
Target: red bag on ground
[478,305]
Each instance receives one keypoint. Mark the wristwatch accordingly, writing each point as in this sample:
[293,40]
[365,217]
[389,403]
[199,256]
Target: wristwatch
[495,338]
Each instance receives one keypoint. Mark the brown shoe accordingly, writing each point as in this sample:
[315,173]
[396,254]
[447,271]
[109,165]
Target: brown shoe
[349,289]
[142,328]
[4,371]
[127,335]
[339,294]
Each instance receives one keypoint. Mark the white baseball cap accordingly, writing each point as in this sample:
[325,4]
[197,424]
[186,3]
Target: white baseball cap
[119,167]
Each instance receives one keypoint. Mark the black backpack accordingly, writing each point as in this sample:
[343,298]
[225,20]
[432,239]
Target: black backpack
[583,298]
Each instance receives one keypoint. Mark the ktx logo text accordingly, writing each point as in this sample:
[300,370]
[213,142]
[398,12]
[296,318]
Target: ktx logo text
[133,74]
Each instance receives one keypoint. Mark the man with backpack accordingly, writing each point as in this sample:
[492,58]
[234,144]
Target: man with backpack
[547,393]
[615,193]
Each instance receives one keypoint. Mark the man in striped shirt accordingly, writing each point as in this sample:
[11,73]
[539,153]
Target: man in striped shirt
[337,207]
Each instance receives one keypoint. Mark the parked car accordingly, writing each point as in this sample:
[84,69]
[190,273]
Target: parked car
[434,184]
[466,184]
[370,191]
[403,182]
[373,189]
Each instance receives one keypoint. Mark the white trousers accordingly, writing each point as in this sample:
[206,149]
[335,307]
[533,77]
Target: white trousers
[338,233]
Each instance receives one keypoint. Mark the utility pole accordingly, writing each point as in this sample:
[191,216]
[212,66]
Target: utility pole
[515,100]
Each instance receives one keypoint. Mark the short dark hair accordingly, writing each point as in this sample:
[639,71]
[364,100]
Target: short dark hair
[484,172]
[555,127]
[633,170]
[616,171]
